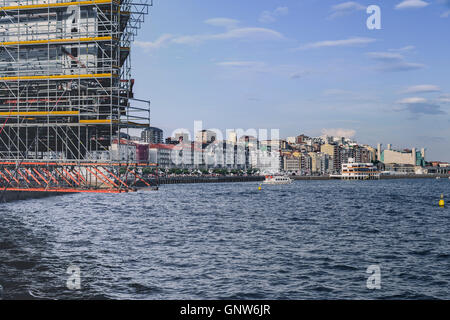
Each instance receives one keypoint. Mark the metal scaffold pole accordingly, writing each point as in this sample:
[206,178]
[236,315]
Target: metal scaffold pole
[66,95]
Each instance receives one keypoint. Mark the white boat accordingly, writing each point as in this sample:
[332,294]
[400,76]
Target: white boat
[277,180]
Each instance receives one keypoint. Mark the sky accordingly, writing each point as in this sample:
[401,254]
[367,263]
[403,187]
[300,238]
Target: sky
[300,66]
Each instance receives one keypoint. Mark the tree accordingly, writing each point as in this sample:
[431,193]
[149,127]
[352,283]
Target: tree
[175,171]
[148,170]
[220,171]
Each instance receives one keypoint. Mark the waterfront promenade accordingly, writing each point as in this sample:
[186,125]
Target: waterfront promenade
[219,179]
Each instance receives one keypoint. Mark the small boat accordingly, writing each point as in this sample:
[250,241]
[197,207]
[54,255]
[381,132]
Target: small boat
[437,178]
[277,180]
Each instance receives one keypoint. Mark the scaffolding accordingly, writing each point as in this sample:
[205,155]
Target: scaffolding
[66,92]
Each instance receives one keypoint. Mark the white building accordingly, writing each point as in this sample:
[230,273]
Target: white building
[292,165]
[291,140]
[232,137]
[320,162]
[182,137]
[125,151]
[205,136]
[268,162]
[161,154]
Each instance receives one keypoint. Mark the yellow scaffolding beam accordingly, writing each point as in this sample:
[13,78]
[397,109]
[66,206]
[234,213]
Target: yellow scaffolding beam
[106,121]
[41,113]
[59,77]
[55,41]
[57,5]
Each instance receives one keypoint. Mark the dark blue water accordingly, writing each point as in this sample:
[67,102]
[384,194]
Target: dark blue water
[308,240]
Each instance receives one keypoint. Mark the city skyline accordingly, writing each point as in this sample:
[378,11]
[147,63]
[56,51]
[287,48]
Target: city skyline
[300,67]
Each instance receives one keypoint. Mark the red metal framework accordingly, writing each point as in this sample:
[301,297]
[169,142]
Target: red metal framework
[71,177]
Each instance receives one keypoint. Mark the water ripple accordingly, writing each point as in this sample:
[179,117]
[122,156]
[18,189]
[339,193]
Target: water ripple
[308,240]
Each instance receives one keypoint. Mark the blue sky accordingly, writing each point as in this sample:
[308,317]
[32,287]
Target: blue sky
[302,66]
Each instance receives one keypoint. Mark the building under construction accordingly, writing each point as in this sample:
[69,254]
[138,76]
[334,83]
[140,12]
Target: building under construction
[66,95]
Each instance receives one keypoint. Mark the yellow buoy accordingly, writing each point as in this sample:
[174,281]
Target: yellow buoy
[442,202]
[259,188]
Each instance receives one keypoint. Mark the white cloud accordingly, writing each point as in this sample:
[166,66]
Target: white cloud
[402,66]
[412,4]
[346,133]
[232,32]
[412,100]
[385,56]
[338,43]
[242,64]
[345,8]
[403,49]
[445,98]
[394,62]
[423,88]
[445,14]
[417,106]
[255,34]
[223,22]
[271,16]
[158,43]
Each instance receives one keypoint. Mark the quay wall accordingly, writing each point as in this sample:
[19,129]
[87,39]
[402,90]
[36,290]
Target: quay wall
[10,196]
[417,176]
[176,180]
